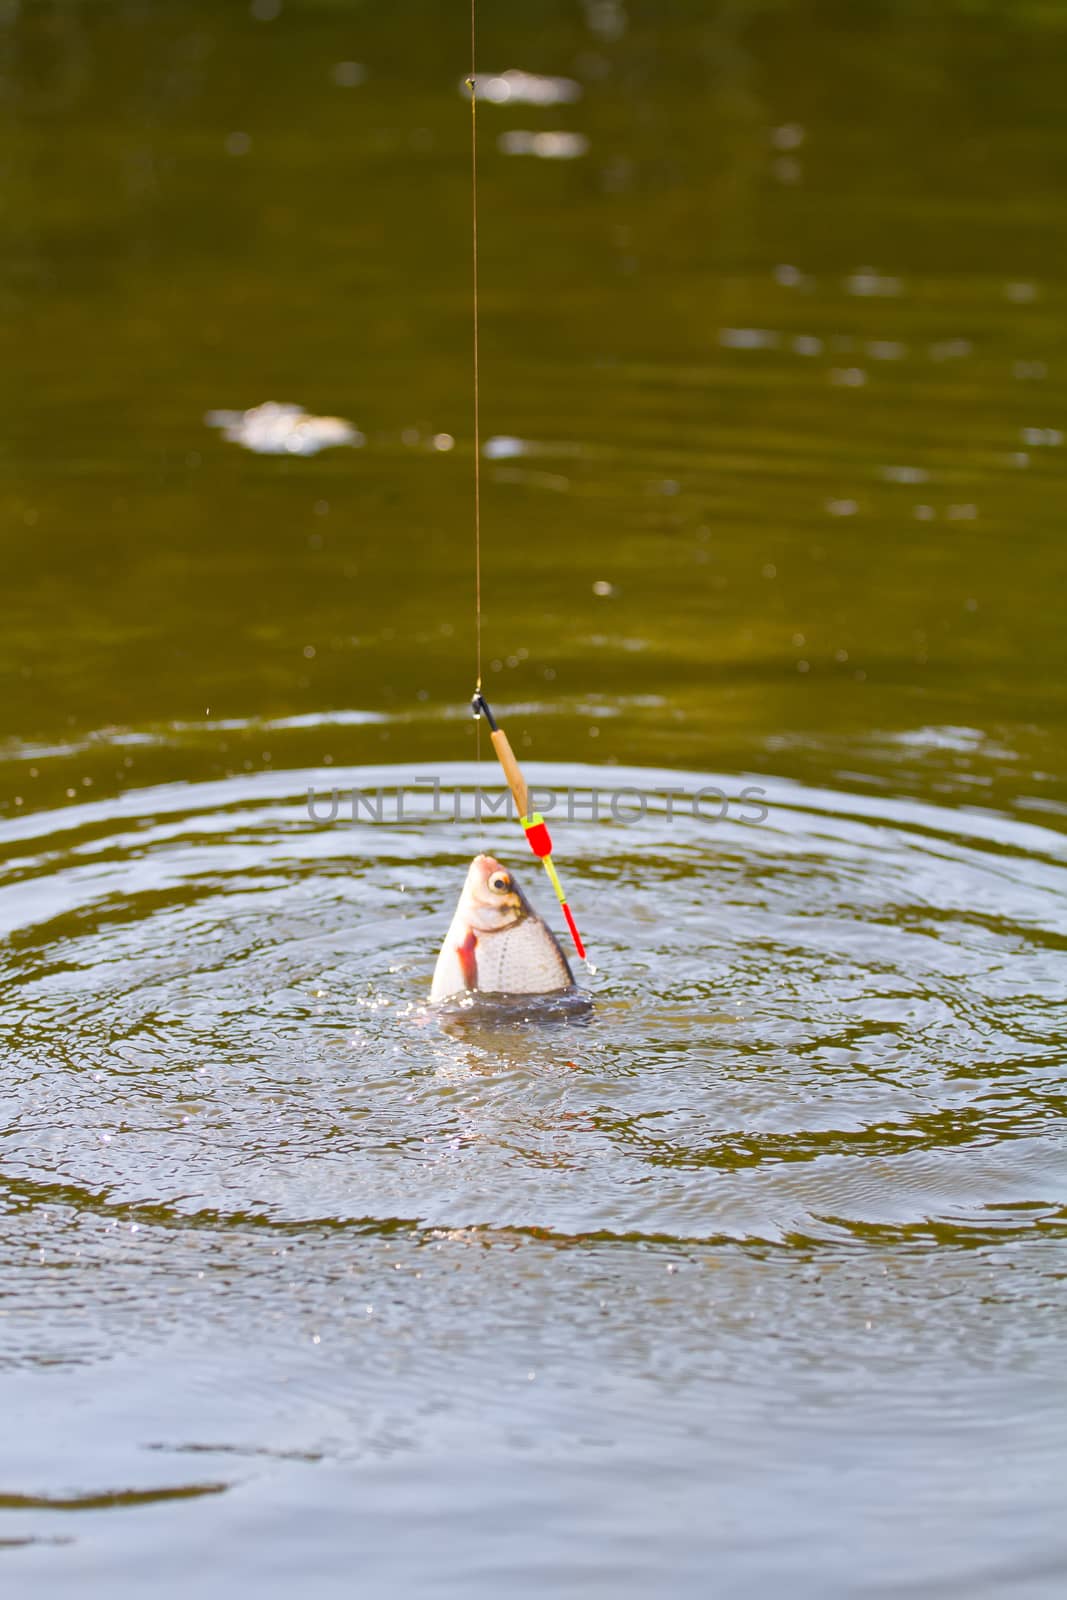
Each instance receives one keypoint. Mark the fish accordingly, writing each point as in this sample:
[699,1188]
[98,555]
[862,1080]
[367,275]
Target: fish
[497,944]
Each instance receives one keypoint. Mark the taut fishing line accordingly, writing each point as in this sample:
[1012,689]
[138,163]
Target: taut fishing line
[537,835]
[472,81]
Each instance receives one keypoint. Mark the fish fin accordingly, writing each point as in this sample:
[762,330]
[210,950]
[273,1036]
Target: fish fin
[468,960]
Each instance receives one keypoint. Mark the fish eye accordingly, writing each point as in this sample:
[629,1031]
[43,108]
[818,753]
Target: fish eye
[500,883]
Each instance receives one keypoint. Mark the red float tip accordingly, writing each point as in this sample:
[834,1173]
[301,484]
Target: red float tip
[575,935]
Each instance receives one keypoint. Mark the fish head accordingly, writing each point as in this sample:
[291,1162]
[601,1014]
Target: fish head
[491,898]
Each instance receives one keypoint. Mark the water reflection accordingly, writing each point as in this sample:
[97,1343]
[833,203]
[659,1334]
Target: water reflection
[523,89]
[278,430]
[548,146]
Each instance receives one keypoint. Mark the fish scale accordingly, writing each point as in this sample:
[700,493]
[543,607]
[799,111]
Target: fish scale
[522,959]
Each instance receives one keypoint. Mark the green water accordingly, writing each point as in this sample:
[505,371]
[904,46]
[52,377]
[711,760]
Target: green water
[753,1282]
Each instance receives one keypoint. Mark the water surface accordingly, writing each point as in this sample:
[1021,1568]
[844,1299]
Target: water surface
[753,1278]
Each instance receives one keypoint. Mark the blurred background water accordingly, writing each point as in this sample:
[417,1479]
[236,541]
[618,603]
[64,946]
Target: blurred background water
[754,1279]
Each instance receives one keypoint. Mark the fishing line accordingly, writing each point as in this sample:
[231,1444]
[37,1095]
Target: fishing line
[533,825]
[472,81]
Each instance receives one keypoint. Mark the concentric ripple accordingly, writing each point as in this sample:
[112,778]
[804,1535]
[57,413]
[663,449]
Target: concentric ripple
[264,1214]
[846,1016]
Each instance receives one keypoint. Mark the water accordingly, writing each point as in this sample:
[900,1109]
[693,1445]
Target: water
[755,1274]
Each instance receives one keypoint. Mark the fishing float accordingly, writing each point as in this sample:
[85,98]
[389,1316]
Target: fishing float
[533,826]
